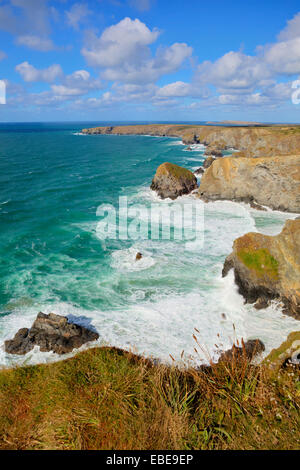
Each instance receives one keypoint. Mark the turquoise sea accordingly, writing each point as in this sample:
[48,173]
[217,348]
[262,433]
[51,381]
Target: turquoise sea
[52,180]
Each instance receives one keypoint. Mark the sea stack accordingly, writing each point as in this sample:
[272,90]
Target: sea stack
[171,181]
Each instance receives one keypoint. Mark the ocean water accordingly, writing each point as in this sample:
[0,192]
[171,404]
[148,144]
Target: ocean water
[52,180]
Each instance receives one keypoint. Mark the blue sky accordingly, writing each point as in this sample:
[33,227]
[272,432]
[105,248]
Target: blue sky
[149,60]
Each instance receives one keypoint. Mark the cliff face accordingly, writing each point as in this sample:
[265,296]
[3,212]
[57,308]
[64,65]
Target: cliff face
[267,267]
[251,141]
[274,182]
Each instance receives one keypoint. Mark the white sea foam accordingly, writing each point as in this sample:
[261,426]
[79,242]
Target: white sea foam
[170,291]
[165,326]
[125,260]
[176,142]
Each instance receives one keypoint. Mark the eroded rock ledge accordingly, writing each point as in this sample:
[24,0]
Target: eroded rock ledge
[268,267]
[272,182]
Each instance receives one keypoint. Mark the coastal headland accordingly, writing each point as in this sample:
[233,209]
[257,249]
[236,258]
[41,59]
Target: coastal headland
[251,141]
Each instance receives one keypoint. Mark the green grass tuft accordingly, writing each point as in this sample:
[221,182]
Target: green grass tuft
[261,261]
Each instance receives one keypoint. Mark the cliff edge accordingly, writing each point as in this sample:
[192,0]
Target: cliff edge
[273,182]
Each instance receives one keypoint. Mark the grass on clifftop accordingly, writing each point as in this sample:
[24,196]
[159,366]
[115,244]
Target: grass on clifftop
[174,170]
[261,261]
[105,398]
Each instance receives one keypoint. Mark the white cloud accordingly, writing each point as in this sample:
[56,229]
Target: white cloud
[122,42]
[77,83]
[63,90]
[279,91]
[30,74]
[77,14]
[253,99]
[35,42]
[175,89]
[284,57]
[234,70]
[249,80]
[123,53]
[80,75]
[292,30]
[66,89]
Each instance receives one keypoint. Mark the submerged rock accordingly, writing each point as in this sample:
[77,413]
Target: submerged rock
[261,303]
[199,171]
[51,333]
[268,267]
[270,181]
[171,181]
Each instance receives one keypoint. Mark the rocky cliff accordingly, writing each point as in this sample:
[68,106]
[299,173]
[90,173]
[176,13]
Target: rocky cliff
[251,141]
[274,182]
[268,267]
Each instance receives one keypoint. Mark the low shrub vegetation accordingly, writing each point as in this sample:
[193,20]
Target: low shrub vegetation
[106,398]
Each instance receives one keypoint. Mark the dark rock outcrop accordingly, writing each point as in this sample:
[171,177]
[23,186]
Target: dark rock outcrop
[213,152]
[208,162]
[199,171]
[248,351]
[51,333]
[171,181]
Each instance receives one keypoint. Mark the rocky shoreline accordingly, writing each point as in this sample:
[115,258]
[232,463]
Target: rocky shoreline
[265,267]
[264,170]
[55,333]
[264,141]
